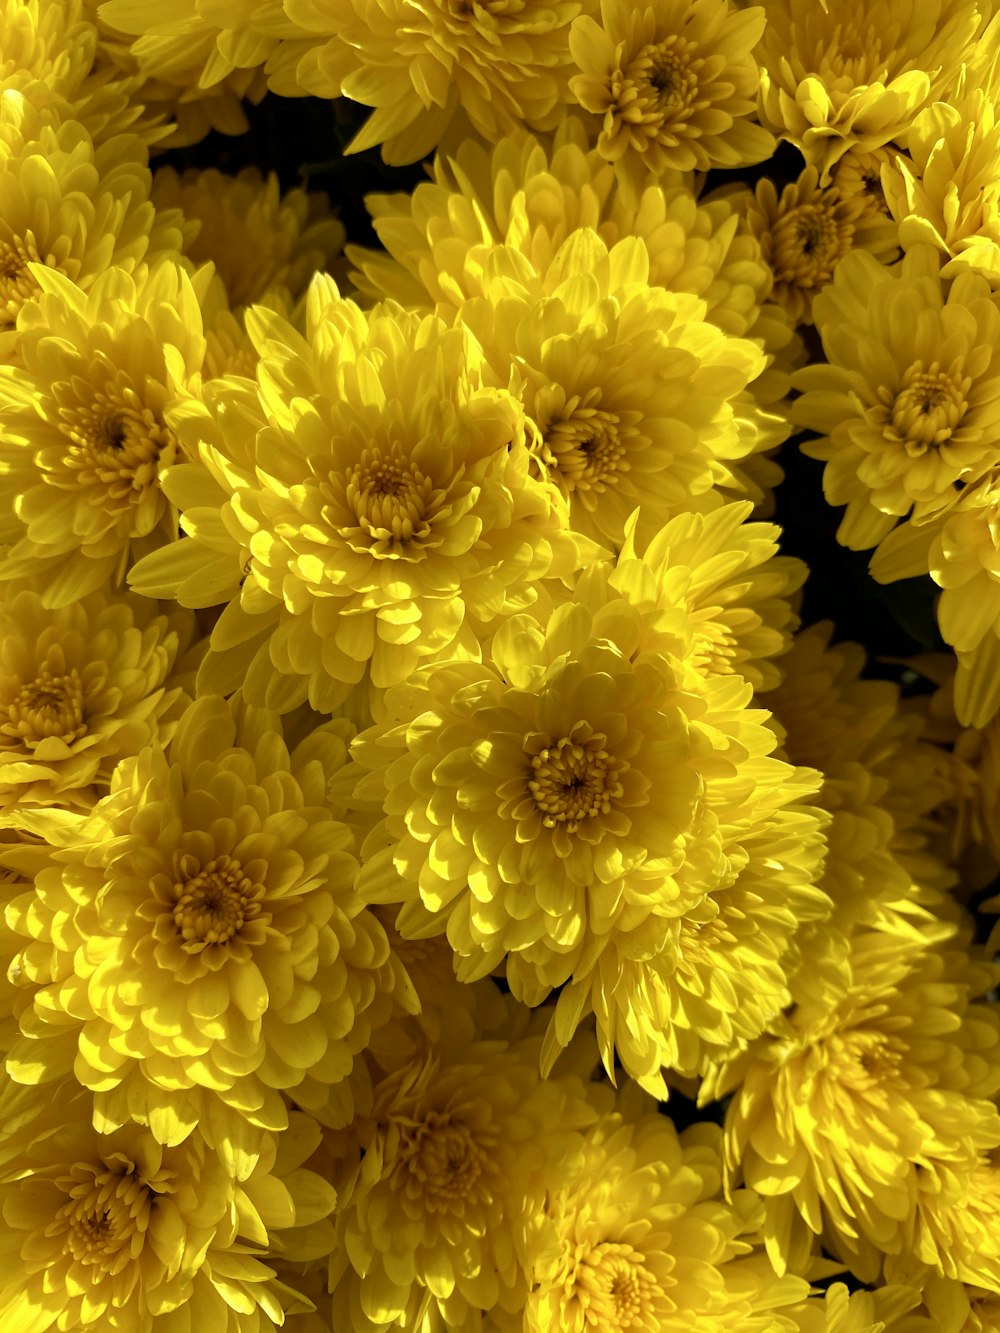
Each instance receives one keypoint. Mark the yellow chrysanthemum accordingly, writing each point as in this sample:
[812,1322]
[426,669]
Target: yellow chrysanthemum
[841,1311]
[585,808]
[197,946]
[947,192]
[458,1152]
[82,687]
[634,1235]
[256,237]
[605,433]
[805,232]
[955,1226]
[118,1232]
[675,82]
[885,1069]
[84,431]
[907,404]
[421,63]
[386,497]
[854,73]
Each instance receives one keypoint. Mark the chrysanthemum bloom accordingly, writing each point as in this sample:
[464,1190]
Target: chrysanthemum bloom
[581,809]
[420,63]
[855,73]
[947,192]
[197,944]
[634,1235]
[608,434]
[84,432]
[954,1229]
[68,205]
[256,237]
[806,231]
[80,688]
[386,496]
[885,1069]
[116,1231]
[675,82]
[463,1141]
[907,404]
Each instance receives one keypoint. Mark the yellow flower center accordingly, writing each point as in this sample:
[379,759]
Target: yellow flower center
[585,449]
[107,1213]
[446,1162]
[48,706]
[391,499]
[928,407]
[863,1059]
[657,93]
[16,283]
[808,240]
[214,904]
[116,443]
[576,779]
[616,1290]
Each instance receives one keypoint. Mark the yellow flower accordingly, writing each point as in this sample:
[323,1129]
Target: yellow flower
[634,1234]
[386,497]
[841,1311]
[420,63]
[584,810]
[886,1068]
[906,405]
[854,74]
[806,231]
[199,947]
[80,688]
[458,1152]
[859,174]
[955,1227]
[113,1230]
[256,237]
[630,395]
[947,192]
[84,430]
[675,82]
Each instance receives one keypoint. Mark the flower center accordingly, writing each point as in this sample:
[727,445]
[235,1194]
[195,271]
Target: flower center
[115,444]
[214,905]
[391,500]
[108,1208]
[16,283]
[807,241]
[669,73]
[863,1059]
[445,1162]
[617,1290]
[585,448]
[49,706]
[576,779]
[927,409]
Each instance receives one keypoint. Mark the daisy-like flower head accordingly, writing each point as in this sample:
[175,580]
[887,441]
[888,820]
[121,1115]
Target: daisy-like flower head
[806,231]
[202,946]
[586,809]
[462,1143]
[84,430]
[607,435]
[906,405]
[634,1234]
[80,688]
[888,1068]
[418,63]
[854,74]
[256,237]
[947,192]
[675,82]
[386,496]
[114,1227]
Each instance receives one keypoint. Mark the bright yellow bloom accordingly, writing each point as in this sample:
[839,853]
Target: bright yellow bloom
[84,430]
[421,63]
[118,1232]
[947,191]
[385,494]
[805,232]
[675,82]
[586,809]
[847,73]
[256,237]
[80,688]
[634,1234]
[886,1068]
[955,1227]
[908,404]
[197,946]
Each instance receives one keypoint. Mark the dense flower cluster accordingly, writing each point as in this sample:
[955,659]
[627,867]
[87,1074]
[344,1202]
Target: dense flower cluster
[446,886]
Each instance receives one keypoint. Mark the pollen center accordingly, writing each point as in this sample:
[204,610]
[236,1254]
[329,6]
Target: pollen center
[585,448]
[928,408]
[214,905]
[391,500]
[445,1161]
[616,1289]
[670,75]
[16,283]
[807,241]
[115,444]
[575,779]
[106,1214]
[49,706]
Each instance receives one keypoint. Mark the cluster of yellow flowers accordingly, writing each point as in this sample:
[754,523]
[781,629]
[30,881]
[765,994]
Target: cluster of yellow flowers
[445,888]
